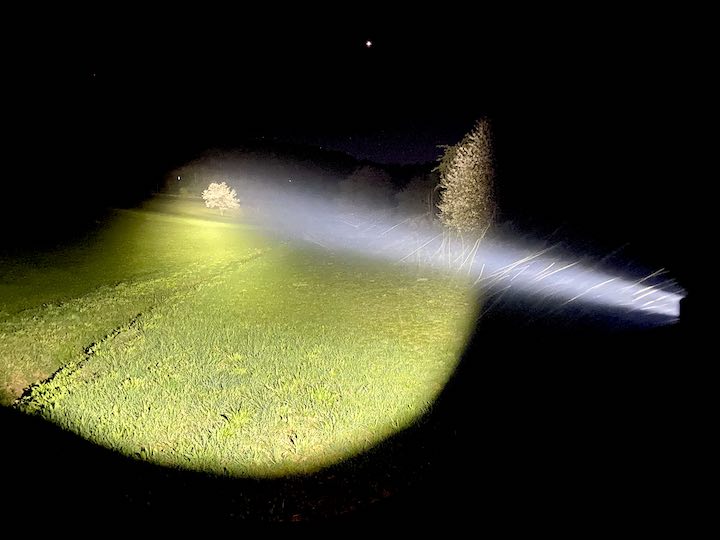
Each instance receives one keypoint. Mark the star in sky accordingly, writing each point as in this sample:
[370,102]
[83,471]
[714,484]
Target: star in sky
[368,43]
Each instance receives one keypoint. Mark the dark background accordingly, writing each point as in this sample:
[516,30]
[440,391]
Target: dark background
[603,122]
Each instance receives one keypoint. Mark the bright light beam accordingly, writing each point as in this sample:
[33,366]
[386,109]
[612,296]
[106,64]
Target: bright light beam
[546,274]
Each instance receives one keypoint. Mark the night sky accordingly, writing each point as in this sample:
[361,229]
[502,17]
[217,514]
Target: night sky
[596,114]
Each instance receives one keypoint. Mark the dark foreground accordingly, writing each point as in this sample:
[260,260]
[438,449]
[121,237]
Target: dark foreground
[568,424]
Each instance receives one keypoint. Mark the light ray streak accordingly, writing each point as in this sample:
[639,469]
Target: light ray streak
[590,289]
[548,267]
[395,226]
[656,300]
[654,290]
[477,246]
[552,274]
[519,273]
[525,259]
[348,223]
[480,276]
[418,249]
[470,254]
[656,273]
[558,270]
[500,294]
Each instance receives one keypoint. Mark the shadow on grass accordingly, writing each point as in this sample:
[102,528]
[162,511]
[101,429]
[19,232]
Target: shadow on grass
[560,423]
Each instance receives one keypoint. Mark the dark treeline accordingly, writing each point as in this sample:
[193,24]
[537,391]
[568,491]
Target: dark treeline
[263,168]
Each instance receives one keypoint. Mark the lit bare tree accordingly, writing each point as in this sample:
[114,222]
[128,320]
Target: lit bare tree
[220,196]
[466,179]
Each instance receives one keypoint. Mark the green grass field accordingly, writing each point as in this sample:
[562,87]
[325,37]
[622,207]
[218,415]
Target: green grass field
[176,337]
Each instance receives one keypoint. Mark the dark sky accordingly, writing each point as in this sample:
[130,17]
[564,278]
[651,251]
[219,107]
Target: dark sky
[312,83]
[213,77]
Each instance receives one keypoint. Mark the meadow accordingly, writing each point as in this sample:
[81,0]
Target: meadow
[175,336]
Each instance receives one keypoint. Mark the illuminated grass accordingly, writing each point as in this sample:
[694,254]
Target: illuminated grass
[54,305]
[265,361]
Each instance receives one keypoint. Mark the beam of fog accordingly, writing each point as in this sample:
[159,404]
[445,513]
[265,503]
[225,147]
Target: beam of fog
[496,264]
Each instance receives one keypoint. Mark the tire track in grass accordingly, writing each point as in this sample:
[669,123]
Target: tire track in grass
[39,342]
[35,400]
